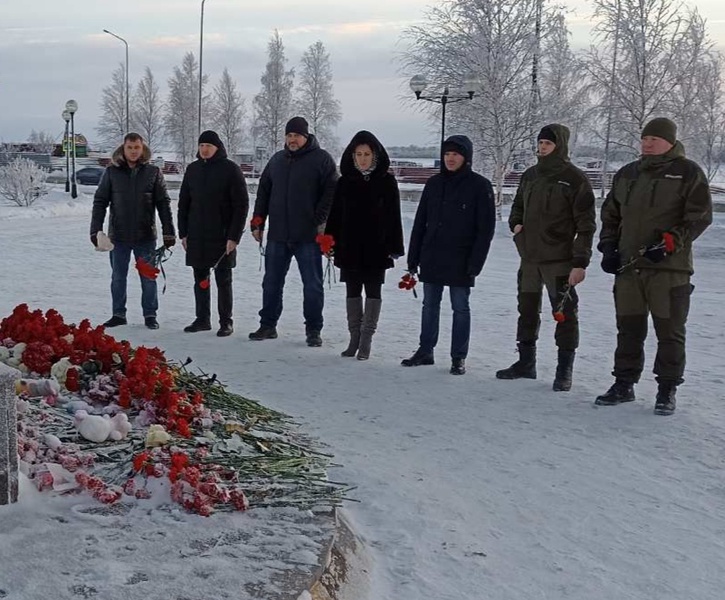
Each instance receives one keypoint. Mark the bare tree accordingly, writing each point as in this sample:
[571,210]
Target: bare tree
[654,52]
[182,109]
[22,182]
[565,86]
[496,41]
[272,105]
[42,141]
[229,112]
[147,112]
[112,125]
[316,97]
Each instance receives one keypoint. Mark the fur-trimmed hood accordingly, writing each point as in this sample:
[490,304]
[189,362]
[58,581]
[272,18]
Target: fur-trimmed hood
[119,160]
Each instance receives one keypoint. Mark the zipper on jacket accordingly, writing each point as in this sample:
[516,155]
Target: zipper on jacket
[652,193]
[628,193]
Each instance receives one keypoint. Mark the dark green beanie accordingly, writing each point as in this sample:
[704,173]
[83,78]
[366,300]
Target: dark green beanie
[661,128]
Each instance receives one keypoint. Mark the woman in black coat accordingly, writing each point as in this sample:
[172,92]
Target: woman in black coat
[366,225]
[213,205]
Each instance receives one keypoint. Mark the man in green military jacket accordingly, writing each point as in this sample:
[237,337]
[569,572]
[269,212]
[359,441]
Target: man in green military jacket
[657,207]
[553,221]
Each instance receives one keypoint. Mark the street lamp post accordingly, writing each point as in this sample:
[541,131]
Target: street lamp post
[66,117]
[118,37]
[418,84]
[201,72]
[72,106]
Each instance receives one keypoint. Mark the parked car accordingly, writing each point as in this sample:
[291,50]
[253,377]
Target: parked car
[89,175]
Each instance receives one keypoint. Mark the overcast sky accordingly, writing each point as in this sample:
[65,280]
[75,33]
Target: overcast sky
[53,50]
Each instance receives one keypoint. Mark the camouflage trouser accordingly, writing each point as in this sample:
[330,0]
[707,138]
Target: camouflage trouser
[665,294]
[554,276]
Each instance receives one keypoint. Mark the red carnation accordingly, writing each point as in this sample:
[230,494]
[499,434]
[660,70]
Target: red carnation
[669,241]
[146,269]
[256,222]
[559,317]
[326,242]
[204,284]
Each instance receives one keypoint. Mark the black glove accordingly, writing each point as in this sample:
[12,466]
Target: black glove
[94,239]
[611,261]
[655,255]
[169,240]
[412,269]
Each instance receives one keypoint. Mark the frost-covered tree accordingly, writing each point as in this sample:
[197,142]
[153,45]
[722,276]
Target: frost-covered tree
[644,53]
[147,112]
[22,182]
[42,141]
[496,41]
[565,86]
[112,124]
[228,112]
[182,109]
[272,105]
[316,96]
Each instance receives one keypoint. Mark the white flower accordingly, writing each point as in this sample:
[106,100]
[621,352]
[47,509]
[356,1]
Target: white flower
[60,370]
[157,436]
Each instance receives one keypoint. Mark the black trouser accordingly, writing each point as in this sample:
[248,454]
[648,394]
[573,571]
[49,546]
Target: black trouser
[532,277]
[202,295]
[355,289]
[664,294]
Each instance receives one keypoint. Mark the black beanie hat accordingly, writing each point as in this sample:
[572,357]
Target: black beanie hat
[297,125]
[661,128]
[547,133]
[449,146]
[210,137]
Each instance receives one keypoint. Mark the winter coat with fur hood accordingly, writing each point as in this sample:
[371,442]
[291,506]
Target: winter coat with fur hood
[134,197]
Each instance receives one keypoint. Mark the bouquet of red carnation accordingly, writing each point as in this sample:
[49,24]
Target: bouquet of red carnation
[151,268]
[408,282]
[326,242]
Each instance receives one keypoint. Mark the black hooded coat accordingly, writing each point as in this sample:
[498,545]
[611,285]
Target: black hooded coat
[365,216]
[454,224]
[213,205]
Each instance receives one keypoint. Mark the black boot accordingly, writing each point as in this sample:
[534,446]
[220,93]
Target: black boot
[524,367]
[354,321]
[225,329]
[313,339]
[458,366]
[666,400]
[621,391]
[197,325]
[115,321]
[264,333]
[151,322]
[419,358]
[564,370]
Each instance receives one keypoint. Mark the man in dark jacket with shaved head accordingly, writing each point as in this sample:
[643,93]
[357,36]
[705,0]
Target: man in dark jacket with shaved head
[553,221]
[452,232]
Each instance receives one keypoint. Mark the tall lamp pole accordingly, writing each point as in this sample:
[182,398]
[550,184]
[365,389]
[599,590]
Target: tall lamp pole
[72,106]
[66,117]
[118,37]
[201,72]
[418,84]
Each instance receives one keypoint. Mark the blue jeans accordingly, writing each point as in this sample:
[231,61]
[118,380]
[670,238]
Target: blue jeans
[277,259]
[430,321]
[120,258]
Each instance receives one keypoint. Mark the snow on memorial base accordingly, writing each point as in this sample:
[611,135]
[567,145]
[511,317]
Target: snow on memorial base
[134,471]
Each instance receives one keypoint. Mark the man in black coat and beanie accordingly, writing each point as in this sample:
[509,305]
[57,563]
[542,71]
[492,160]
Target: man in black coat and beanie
[451,236]
[213,205]
[295,192]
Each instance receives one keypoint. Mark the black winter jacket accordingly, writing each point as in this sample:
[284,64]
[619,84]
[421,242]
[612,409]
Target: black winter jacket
[134,197]
[365,216]
[213,205]
[454,224]
[295,192]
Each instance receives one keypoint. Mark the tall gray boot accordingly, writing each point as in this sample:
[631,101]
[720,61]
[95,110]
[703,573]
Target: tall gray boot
[368,327]
[354,321]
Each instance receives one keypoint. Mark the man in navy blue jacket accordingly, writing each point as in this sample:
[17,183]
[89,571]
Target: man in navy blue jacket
[295,193]
[451,236]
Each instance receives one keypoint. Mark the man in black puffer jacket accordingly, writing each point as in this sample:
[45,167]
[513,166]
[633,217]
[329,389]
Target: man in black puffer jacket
[135,190]
[295,191]
[213,205]
[451,236]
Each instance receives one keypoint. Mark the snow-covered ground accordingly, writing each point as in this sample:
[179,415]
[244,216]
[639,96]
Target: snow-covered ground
[468,487]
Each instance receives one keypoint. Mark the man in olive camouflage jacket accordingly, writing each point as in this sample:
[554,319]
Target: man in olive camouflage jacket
[553,221]
[657,207]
